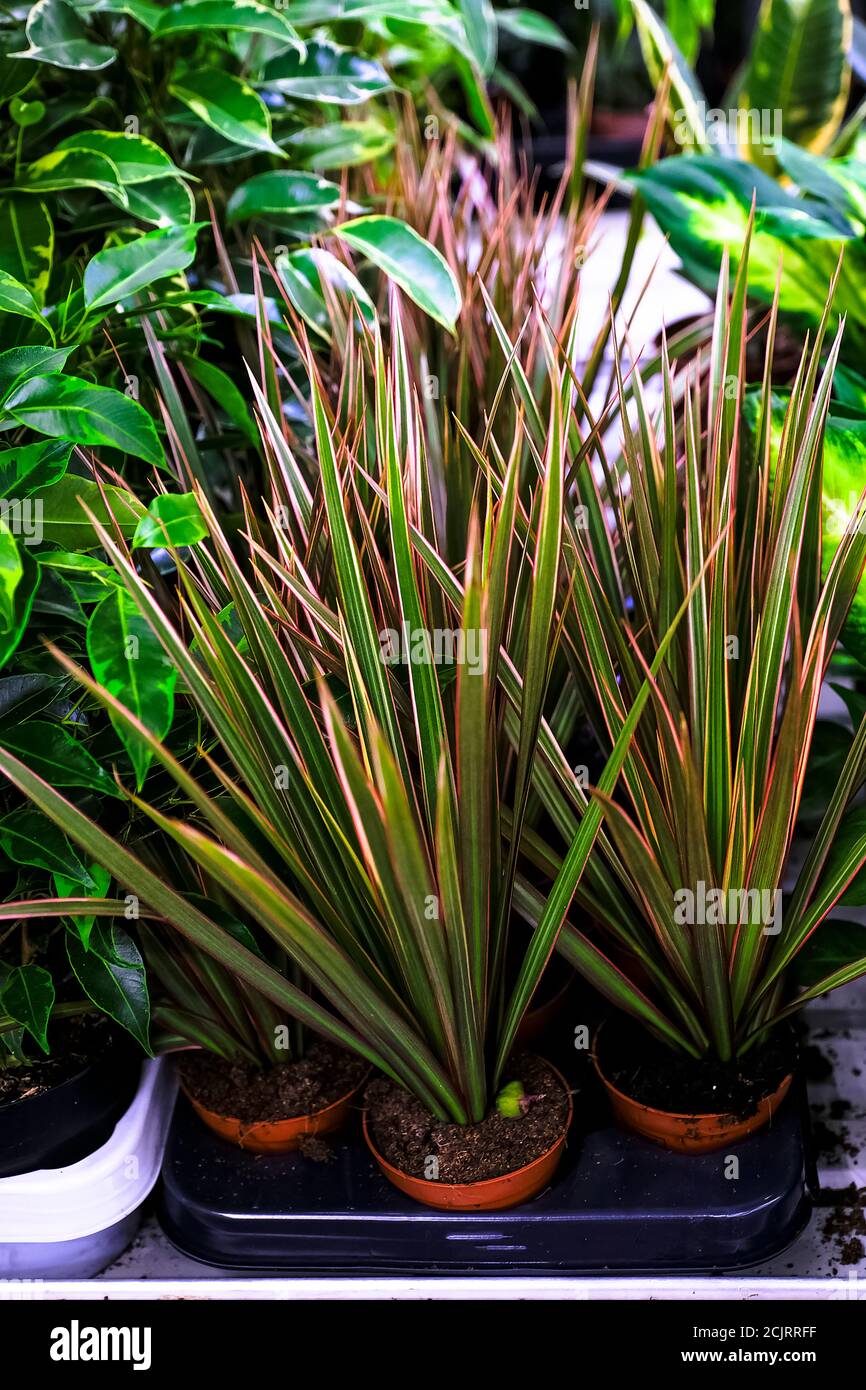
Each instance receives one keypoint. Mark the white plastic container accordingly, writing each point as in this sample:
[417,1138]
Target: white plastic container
[69,1223]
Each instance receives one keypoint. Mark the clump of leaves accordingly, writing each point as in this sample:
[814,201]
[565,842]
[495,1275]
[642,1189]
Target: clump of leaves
[702,828]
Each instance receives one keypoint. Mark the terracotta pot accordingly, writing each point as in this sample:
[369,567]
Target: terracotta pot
[535,1022]
[278,1136]
[619,125]
[490,1194]
[694,1134]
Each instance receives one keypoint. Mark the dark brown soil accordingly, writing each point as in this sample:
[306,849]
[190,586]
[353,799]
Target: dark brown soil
[652,1074]
[409,1137]
[852,1251]
[245,1093]
[850,1196]
[73,1041]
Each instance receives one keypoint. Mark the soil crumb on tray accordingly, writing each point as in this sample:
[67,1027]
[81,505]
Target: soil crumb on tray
[324,1075]
[652,1074]
[409,1137]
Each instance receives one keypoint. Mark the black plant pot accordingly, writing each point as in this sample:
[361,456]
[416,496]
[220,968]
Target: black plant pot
[73,1119]
[618,1205]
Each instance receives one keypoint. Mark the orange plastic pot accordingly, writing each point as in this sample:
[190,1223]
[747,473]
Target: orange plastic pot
[535,1022]
[277,1136]
[694,1134]
[490,1194]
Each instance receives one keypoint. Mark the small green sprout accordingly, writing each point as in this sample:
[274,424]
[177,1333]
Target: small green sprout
[511,1100]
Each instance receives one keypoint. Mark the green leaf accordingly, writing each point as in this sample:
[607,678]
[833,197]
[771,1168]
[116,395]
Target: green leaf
[826,179]
[686,19]
[19,580]
[15,298]
[128,659]
[65,888]
[687,104]
[144,12]
[122,271]
[166,202]
[65,521]
[509,1101]
[66,407]
[64,169]
[195,16]
[339,144]
[281,193]
[228,105]
[326,73]
[27,995]
[19,363]
[28,694]
[844,462]
[228,921]
[26,113]
[111,972]
[32,466]
[15,76]
[26,242]
[850,832]
[52,752]
[171,519]
[220,386]
[703,204]
[137,159]
[409,260]
[57,36]
[833,945]
[11,574]
[29,838]
[304,274]
[531,27]
[88,577]
[798,66]
[479,22]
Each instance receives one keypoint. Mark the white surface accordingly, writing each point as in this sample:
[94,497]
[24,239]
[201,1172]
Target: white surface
[455,1290]
[67,1204]
[667,297]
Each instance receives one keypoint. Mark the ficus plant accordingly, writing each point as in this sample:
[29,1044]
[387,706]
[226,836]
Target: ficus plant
[60,590]
[130,126]
[127,114]
[57,586]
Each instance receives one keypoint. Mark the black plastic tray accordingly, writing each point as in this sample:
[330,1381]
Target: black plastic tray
[617,1205]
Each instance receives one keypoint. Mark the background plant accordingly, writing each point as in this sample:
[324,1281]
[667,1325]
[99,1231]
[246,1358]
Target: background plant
[796,73]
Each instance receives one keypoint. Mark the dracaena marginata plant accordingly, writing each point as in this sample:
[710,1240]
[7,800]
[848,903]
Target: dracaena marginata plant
[701,829]
[362,816]
[80,606]
[377,822]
